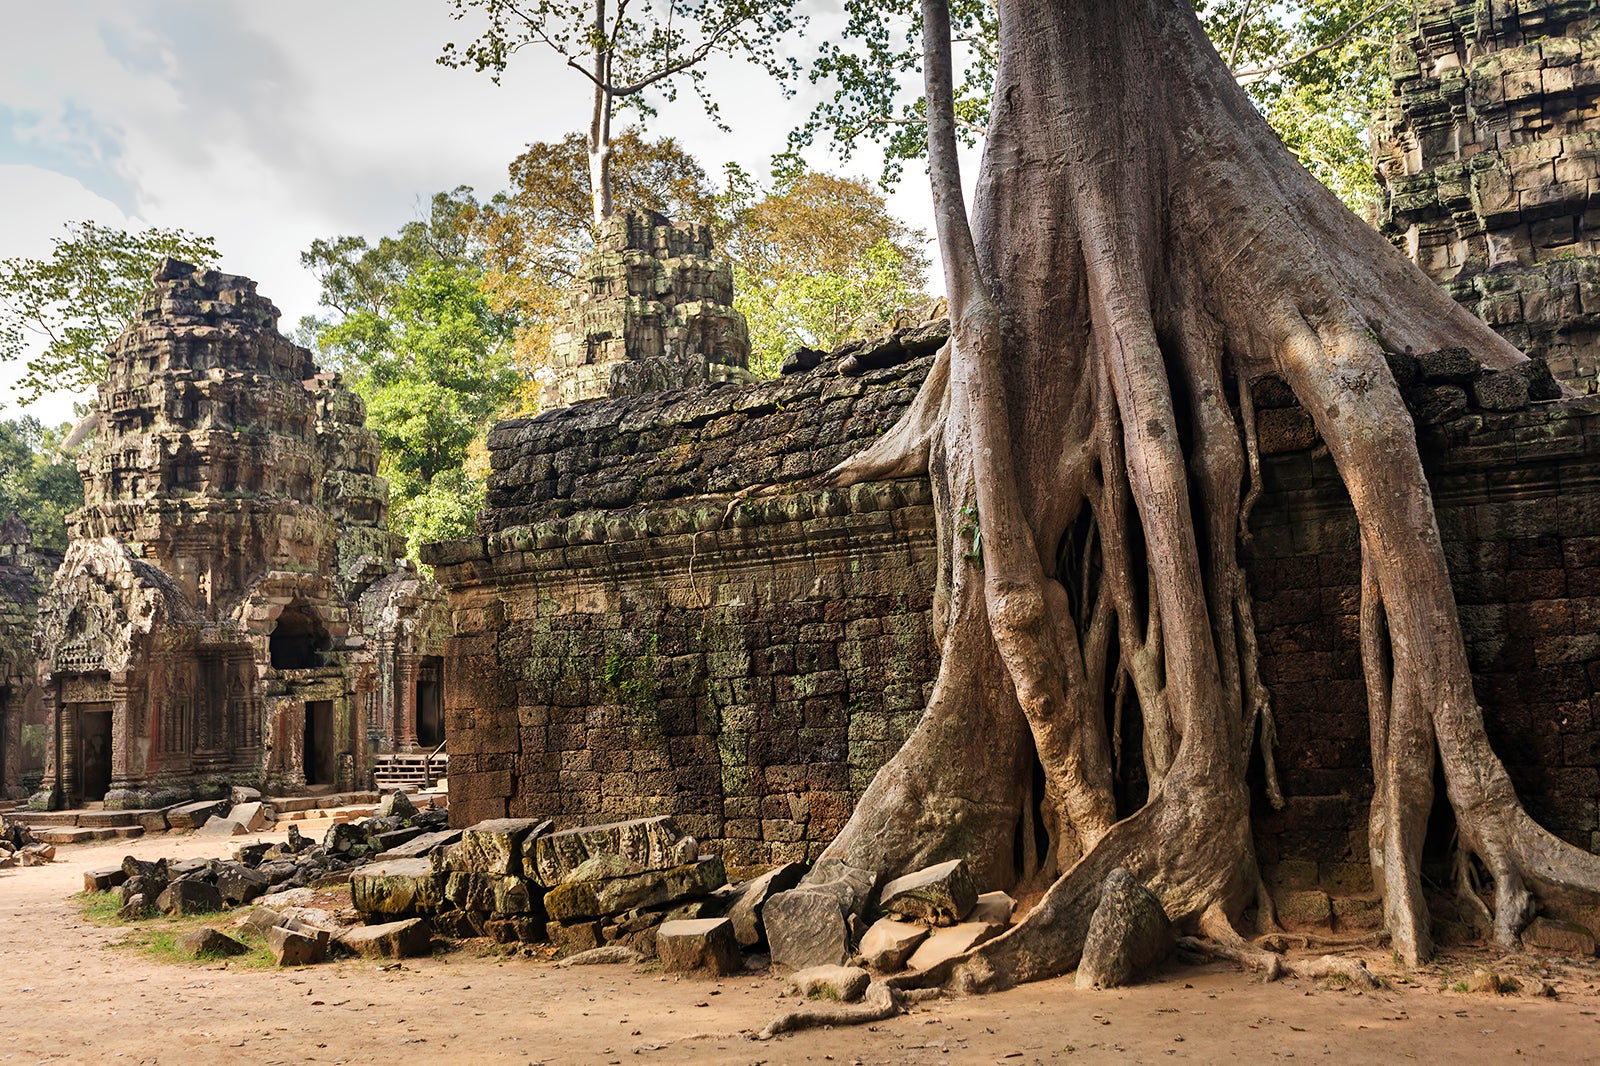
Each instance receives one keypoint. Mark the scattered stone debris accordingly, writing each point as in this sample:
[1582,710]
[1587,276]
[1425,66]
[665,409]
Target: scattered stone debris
[703,944]
[207,942]
[1128,933]
[19,846]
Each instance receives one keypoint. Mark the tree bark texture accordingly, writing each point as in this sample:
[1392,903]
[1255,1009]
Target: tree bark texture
[1141,247]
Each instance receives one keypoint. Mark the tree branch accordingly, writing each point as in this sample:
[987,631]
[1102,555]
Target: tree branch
[1244,77]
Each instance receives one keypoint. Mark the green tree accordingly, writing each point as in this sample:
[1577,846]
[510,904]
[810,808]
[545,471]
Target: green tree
[60,313]
[37,483]
[817,260]
[623,50]
[416,336]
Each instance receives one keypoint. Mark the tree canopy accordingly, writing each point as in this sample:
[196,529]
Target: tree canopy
[38,483]
[60,313]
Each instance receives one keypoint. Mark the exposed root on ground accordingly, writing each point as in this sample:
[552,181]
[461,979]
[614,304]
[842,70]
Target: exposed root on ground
[880,1001]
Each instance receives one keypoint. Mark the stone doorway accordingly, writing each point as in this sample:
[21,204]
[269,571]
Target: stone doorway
[298,640]
[94,749]
[430,706]
[321,759]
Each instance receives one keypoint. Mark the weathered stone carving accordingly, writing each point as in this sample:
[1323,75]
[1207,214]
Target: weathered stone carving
[1489,154]
[206,623]
[24,572]
[651,309]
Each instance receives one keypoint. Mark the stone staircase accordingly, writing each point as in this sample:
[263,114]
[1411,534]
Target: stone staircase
[410,771]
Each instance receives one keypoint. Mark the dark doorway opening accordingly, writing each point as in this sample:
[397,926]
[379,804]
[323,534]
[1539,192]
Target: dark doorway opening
[298,640]
[94,752]
[430,704]
[319,753]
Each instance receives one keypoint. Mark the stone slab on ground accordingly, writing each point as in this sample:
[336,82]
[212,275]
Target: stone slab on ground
[206,941]
[406,939]
[596,899]
[749,898]
[222,827]
[182,898]
[993,907]
[651,843]
[939,895]
[420,846]
[1128,933]
[844,983]
[66,834]
[495,846]
[107,819]
[193,815]
[888,944]
[806,927]
[704,944]
[950,941]
[292,948]
[254,816]
[153,821]
[401,888]
[104,879]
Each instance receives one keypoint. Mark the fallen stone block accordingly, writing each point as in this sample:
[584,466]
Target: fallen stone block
[1128,933]
[66,834]
[36,854]
[706,944]
[103,880]
[569,938]
[610,955]
[844,983]
[939,895]
[182,898]
[193,815]
[260,919]
[748,899]
[1307,909]
[993,907]
[806,927]
[243,794]
[1561,937]
[401,888]
[292,948]
[496,846]
[950,941]
[254,816]
[423,845]
[596,899]
[136,906]
[396,805]
[651,843]
[238,883]
[391,940]
[254,853]
[207,942]
[394,838]
[888,944]
[153,821]
[222,827]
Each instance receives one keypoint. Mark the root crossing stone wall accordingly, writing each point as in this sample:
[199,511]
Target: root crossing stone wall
[631,639]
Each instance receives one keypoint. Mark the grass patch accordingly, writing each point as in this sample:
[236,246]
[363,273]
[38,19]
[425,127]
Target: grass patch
[157,937]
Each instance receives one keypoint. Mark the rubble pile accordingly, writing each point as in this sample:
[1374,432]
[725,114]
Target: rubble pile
[19,847]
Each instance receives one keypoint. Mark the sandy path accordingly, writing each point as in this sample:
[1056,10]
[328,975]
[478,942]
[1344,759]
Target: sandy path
[70,998]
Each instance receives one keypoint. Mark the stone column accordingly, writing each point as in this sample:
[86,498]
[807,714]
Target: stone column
[68,755]
[407,665]
[121,730]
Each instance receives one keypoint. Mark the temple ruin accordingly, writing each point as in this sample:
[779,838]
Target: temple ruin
[651,308]
[24,574]
[231,608]
[1489,156]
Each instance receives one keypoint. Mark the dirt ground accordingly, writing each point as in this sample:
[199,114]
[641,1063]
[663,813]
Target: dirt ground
[69,996]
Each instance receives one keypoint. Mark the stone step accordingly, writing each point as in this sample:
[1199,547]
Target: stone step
[68,834]
[33,819]
[108,819]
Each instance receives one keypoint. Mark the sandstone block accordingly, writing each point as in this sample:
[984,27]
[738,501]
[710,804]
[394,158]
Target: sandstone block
[291,948]
[596,899]
[1309,909]
[1128,933]
[421,846]
[1558,936]
[993,907]
[844,983]
[399,888]
[193,815]
[888,944]
[939,895]
[103,880]
[254,816]
[406,939]
[396,805]
[651,843]
[748,899]
[222,827]
[569,938]
[495,846]
[950,941]
[1500,390]
[706,944]
[240,884]
[208,942]
[806,927]
[183,898]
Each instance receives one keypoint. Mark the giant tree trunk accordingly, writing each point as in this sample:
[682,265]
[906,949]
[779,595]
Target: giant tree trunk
[1142,247]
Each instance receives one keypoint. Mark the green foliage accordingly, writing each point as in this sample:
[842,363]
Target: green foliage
[817,260]
[1315,68]
[36,483]
[415,333]
[77,301]
[156,937]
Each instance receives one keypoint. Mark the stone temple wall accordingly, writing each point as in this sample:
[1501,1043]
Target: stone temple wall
[1489,157]
[630,639]
[24,574]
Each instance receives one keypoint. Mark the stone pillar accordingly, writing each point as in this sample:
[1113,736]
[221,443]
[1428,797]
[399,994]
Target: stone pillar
[407,665]
[68,755]
[121,732]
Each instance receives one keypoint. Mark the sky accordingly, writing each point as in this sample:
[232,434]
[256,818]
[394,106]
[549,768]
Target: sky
[267,125]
